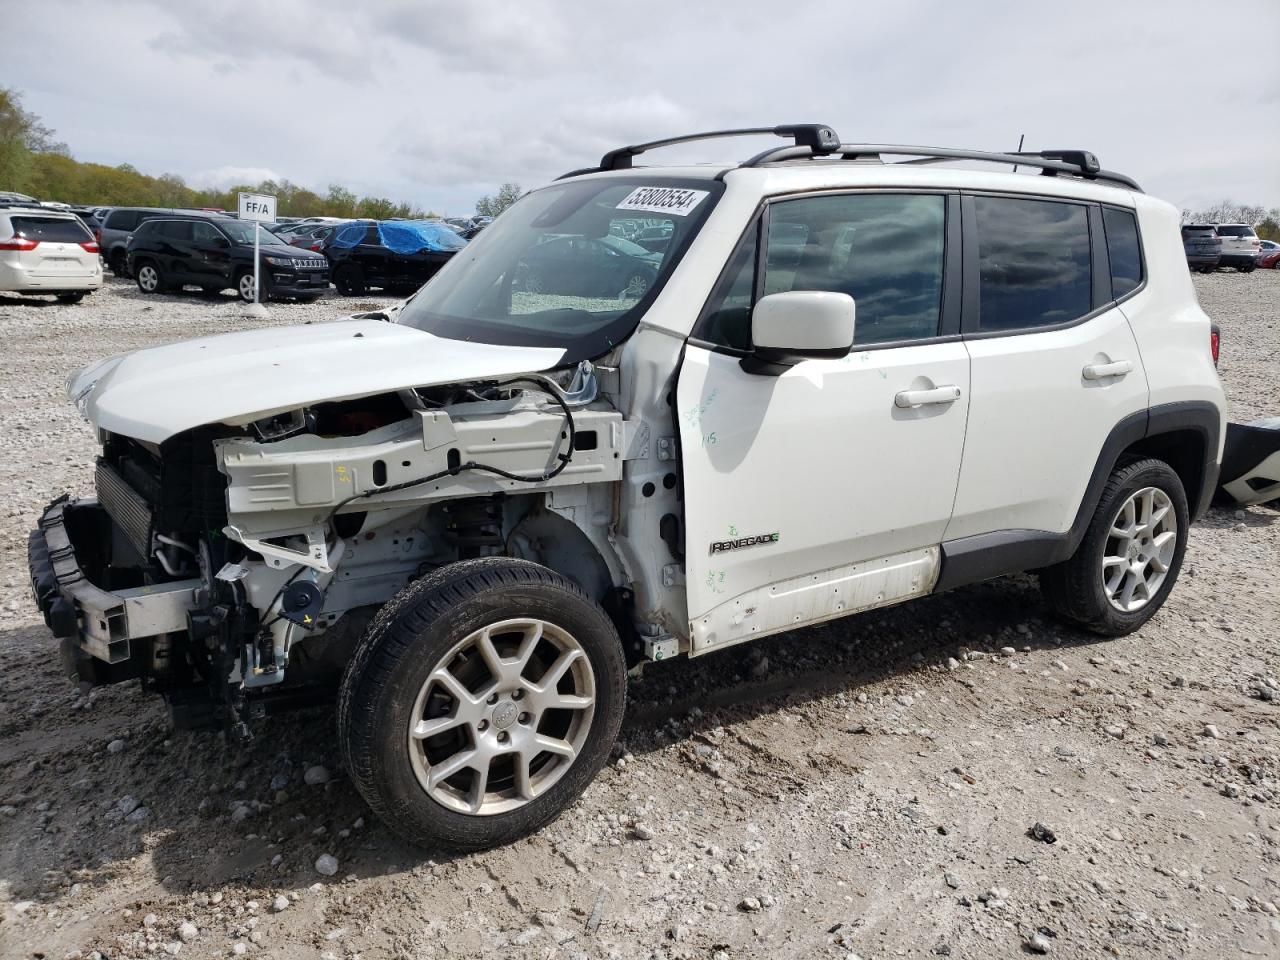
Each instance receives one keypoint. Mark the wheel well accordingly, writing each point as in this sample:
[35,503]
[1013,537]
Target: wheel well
[1183,450]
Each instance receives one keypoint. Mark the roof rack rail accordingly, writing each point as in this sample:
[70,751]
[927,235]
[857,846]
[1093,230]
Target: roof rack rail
[1077,163]
[817,139]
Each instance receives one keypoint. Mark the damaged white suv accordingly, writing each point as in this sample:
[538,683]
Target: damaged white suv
[570,452]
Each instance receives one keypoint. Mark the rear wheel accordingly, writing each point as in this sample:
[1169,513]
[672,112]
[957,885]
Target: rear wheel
[149,278]
[481,702]
[118,263]
[349,279]
[1130,556]
[70,297]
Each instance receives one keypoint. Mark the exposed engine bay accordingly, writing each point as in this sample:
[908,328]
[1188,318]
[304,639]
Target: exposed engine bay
[232,568]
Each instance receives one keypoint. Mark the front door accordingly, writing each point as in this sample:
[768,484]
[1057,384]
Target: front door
[827,489]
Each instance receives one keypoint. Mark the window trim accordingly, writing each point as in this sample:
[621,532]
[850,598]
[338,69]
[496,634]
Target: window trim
[972,314]
[950,306]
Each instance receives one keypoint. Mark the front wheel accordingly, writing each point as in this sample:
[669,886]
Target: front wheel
[1130,556]
[480,703]
[244,287]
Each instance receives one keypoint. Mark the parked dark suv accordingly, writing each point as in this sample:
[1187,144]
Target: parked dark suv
[214,253]
[399,255]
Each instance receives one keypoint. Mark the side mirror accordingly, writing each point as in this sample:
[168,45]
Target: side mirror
[801,325]
[221,241]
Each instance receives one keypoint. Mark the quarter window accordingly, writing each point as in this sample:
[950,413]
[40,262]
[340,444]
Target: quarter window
[1123,250]
[1034,265]
[884,250]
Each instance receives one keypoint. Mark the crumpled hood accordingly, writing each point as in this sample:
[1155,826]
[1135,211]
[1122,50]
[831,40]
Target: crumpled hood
[156,393]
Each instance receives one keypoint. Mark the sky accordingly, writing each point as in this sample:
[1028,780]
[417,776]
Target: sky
[437,102]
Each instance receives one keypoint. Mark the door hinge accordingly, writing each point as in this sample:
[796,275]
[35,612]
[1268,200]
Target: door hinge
[673,575]
[666,448]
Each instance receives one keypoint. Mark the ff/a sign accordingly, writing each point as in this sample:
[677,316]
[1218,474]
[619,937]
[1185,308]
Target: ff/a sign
[257,206]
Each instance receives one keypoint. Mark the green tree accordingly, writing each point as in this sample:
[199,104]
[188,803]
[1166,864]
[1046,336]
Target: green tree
[491,206]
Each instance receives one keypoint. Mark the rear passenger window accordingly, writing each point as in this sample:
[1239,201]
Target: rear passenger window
[1033,260]
[1123,250]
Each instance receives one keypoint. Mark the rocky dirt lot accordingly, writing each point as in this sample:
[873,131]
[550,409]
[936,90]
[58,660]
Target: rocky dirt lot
[963,776]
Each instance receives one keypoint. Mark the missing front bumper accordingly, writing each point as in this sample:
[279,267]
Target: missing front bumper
[67,551]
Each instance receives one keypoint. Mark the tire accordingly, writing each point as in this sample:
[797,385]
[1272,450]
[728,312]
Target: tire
[70,297]
[392,685]
[118,263]
[244,286]
[149,277]
[1077,588]
[309,298]
[349,279]
[1247,269]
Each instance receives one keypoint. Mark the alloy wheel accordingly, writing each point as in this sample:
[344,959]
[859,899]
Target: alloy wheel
[148,278]
[246,286]
[501,717]
[1139,550]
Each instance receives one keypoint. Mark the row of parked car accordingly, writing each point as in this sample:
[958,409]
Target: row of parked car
[1209,246]
[60,250]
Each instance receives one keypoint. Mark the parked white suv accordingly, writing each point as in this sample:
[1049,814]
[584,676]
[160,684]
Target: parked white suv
[1240,246]
[48,252]
[852,382]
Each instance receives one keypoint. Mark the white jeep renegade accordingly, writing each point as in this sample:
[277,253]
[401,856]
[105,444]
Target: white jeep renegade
[836,381]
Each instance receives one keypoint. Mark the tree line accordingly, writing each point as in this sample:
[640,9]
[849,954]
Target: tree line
[34,163]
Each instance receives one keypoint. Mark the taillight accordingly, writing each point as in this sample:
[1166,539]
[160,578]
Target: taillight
[97,235]
[1215,342]
[18,243]
[90,246]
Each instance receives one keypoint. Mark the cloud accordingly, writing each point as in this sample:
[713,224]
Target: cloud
[223,177]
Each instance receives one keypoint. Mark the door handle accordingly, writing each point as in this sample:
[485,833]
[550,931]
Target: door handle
[1099,371]
[919,398]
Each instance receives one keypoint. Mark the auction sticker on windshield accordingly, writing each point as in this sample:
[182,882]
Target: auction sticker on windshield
[663,200]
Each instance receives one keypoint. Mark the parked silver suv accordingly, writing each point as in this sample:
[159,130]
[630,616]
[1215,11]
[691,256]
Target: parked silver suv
[1240,246]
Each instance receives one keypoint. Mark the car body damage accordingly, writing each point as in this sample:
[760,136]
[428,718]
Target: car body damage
[236,378]
[1251,462]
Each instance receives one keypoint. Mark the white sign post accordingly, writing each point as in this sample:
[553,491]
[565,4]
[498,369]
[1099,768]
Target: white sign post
[260,208]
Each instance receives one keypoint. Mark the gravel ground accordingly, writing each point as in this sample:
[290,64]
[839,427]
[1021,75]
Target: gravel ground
[962,776]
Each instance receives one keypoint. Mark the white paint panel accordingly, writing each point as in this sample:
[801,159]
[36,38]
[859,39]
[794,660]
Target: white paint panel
[1037,424]
[820,455]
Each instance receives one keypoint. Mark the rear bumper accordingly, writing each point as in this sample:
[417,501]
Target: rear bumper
[1238,260]
[1203,259]
[92,621]
[17,278]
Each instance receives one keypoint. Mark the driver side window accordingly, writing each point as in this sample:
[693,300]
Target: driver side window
[884,250]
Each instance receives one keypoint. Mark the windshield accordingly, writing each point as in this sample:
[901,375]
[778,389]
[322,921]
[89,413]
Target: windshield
[241,231]
[556,269]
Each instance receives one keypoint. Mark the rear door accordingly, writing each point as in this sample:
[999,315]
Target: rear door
[826,489]
[1055,366]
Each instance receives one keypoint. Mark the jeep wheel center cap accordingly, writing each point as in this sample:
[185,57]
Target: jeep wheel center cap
[504,714]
